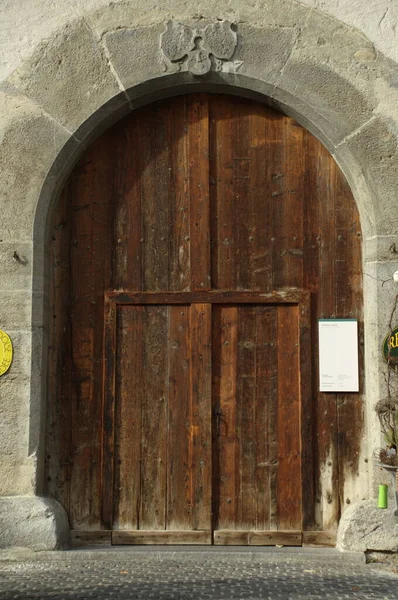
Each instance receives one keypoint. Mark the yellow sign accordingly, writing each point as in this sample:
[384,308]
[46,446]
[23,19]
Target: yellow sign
[5,352]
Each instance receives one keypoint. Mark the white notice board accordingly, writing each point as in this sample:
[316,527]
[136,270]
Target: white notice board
[338,355]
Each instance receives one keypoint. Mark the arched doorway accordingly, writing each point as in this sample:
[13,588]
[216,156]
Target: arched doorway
[195,246]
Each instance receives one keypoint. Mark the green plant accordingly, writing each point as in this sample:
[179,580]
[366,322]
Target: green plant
[387,408]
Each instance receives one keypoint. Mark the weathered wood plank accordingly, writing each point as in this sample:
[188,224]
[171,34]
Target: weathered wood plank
[198,144]
[319,538]
[180,157]
[128,417]
[99,537]
[257,538]
[201,415]
[155,207]
[283,296]
[59,418]
[153,434]
[245,418]
[138,538]
[225,479]
[289,485]
[223,136]
[179,469]
[128,245]
[350,407]
[266,415]
[306,414]
[108,416]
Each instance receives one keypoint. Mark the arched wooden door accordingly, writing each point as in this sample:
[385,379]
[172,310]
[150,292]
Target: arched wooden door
[194,247]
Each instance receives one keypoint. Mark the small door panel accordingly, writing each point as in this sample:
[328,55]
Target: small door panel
[162,463]
[256,432]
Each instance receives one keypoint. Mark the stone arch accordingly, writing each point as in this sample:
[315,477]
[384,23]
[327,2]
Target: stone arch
[94,71]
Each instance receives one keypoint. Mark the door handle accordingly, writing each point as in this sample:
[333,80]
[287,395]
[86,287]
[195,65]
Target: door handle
[220,418]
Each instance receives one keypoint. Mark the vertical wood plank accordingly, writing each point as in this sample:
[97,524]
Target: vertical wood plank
[246,416]
[306,414]
[179,243]
[155,208]
[154,418]
[289,427]
[198,135]
[348,293]
[223,136]
[128,418]
[59,419]
[179,494]
[108,418]
[265,415]
[225,479]
[128,271]
[91,258]
[201,449]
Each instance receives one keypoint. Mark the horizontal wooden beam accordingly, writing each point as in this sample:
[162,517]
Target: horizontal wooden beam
[97,537]
[319,538]
[257,538]
[283,296]
[161,537]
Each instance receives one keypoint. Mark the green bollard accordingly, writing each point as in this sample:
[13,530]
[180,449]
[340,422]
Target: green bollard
[383,496]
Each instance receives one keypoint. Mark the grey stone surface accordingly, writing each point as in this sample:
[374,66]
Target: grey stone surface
[364,527]
[183,574]
[16,264]
[68,76]
[32,522]
[135,53]
[375,149]
[29,144]
[335,84]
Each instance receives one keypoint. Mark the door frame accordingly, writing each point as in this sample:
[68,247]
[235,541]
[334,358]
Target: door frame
[285,296]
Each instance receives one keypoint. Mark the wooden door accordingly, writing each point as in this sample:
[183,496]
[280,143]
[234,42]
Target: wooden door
[157,455]
[258,396]
[208,196]
[204,400]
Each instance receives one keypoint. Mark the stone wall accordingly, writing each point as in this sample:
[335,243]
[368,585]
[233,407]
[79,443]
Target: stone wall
[69,69]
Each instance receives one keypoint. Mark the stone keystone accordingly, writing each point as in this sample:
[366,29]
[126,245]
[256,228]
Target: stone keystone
[199,50]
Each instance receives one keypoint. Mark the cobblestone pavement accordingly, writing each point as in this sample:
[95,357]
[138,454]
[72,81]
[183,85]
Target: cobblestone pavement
[231,575]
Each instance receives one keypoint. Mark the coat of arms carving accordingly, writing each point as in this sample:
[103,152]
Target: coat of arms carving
[200,50]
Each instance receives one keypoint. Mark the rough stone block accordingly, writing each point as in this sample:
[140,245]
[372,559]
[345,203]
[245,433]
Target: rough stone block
[68,76]
[135,53]
[16,265]
[364,527]
[264,51]
[335,80]
[33,522]
[375,148]
[282,13]
[16,310]
[29,144]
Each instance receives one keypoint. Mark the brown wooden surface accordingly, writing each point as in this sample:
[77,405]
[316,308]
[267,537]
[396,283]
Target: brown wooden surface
[283,296]
[99,537]
[143,538]
[162,404]
[257,412]
[257,538]
[319,538]
[179,190]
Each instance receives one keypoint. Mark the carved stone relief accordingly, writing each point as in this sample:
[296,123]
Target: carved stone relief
[199,50]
